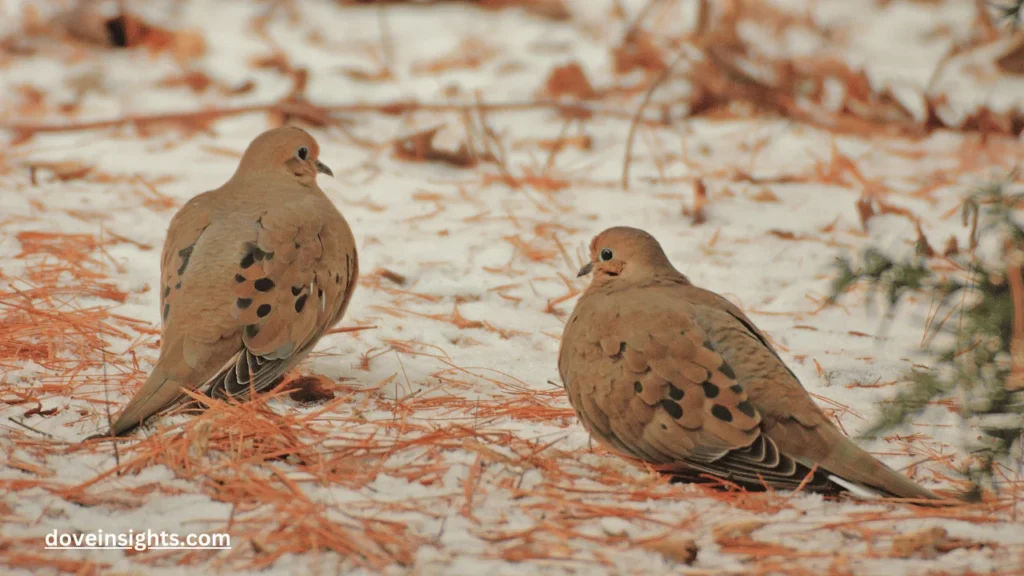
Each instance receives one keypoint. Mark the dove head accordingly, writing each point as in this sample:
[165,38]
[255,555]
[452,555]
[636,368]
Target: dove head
[621,254]
[289,152]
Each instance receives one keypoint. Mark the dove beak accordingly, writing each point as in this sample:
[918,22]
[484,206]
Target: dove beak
[587,269]
[324,169]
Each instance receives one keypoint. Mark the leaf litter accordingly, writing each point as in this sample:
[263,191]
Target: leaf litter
[430,433]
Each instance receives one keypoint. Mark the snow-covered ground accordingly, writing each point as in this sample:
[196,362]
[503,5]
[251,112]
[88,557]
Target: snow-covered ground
[449,447]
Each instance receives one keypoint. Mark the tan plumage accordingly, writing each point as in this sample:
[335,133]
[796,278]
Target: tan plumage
[677,376]
[252,274]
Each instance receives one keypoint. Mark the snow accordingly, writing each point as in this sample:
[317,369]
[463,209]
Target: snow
[429,420]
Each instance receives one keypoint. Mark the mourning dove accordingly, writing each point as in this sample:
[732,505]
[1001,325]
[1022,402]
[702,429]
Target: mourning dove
[251,276]
[665,372]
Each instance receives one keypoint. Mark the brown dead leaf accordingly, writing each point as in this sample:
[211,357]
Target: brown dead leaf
[419,147]
[63,171]
[638,51]
[569,80]
[675,548]
[38,411]
[583,142]
[244,88]
[1012,59]
[126,30]
[278,62]
[195,81]
[865,210]
[765,195]
[700,200]
[783,234]
[931,543]
[382,74]
[735,533]
[952,247]
[309,389]
[922,246]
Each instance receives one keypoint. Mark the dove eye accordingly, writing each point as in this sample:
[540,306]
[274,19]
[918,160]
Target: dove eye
[302,152]
[606,255]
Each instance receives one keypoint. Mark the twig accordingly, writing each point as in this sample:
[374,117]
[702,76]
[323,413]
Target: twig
[638,20]
[639,114]
[393,108]
[27,427]
[106,396]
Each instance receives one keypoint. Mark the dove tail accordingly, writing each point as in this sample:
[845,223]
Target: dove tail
[157,393]
[854,465]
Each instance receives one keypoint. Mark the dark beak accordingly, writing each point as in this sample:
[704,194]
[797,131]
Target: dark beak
[587,269]
[323,169]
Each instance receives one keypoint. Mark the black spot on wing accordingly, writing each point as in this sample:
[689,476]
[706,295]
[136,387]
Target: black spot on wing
[710,390]
[674,410]
[239,278]
[263,284]
[736,389]
[674,393]
[186,255]
[300,303]
[263,310]
[638,387]
[251,330]
[296,290]
[243,303]
[721,412]
[727,370]
[746,408]
[167,310]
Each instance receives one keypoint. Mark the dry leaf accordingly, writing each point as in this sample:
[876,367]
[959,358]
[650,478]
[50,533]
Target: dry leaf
[765,195]
[952,247]
[63,171]
[638,51]
[382,74]
[783,234]
[583,142]
[419,147]
[865,210]
[931,543]
[196,81]
[700,200]
[675,548]
[569,80]
[38,411]
[127,30]
[735,533]
[309,389]
[922,246]
[1012,59]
